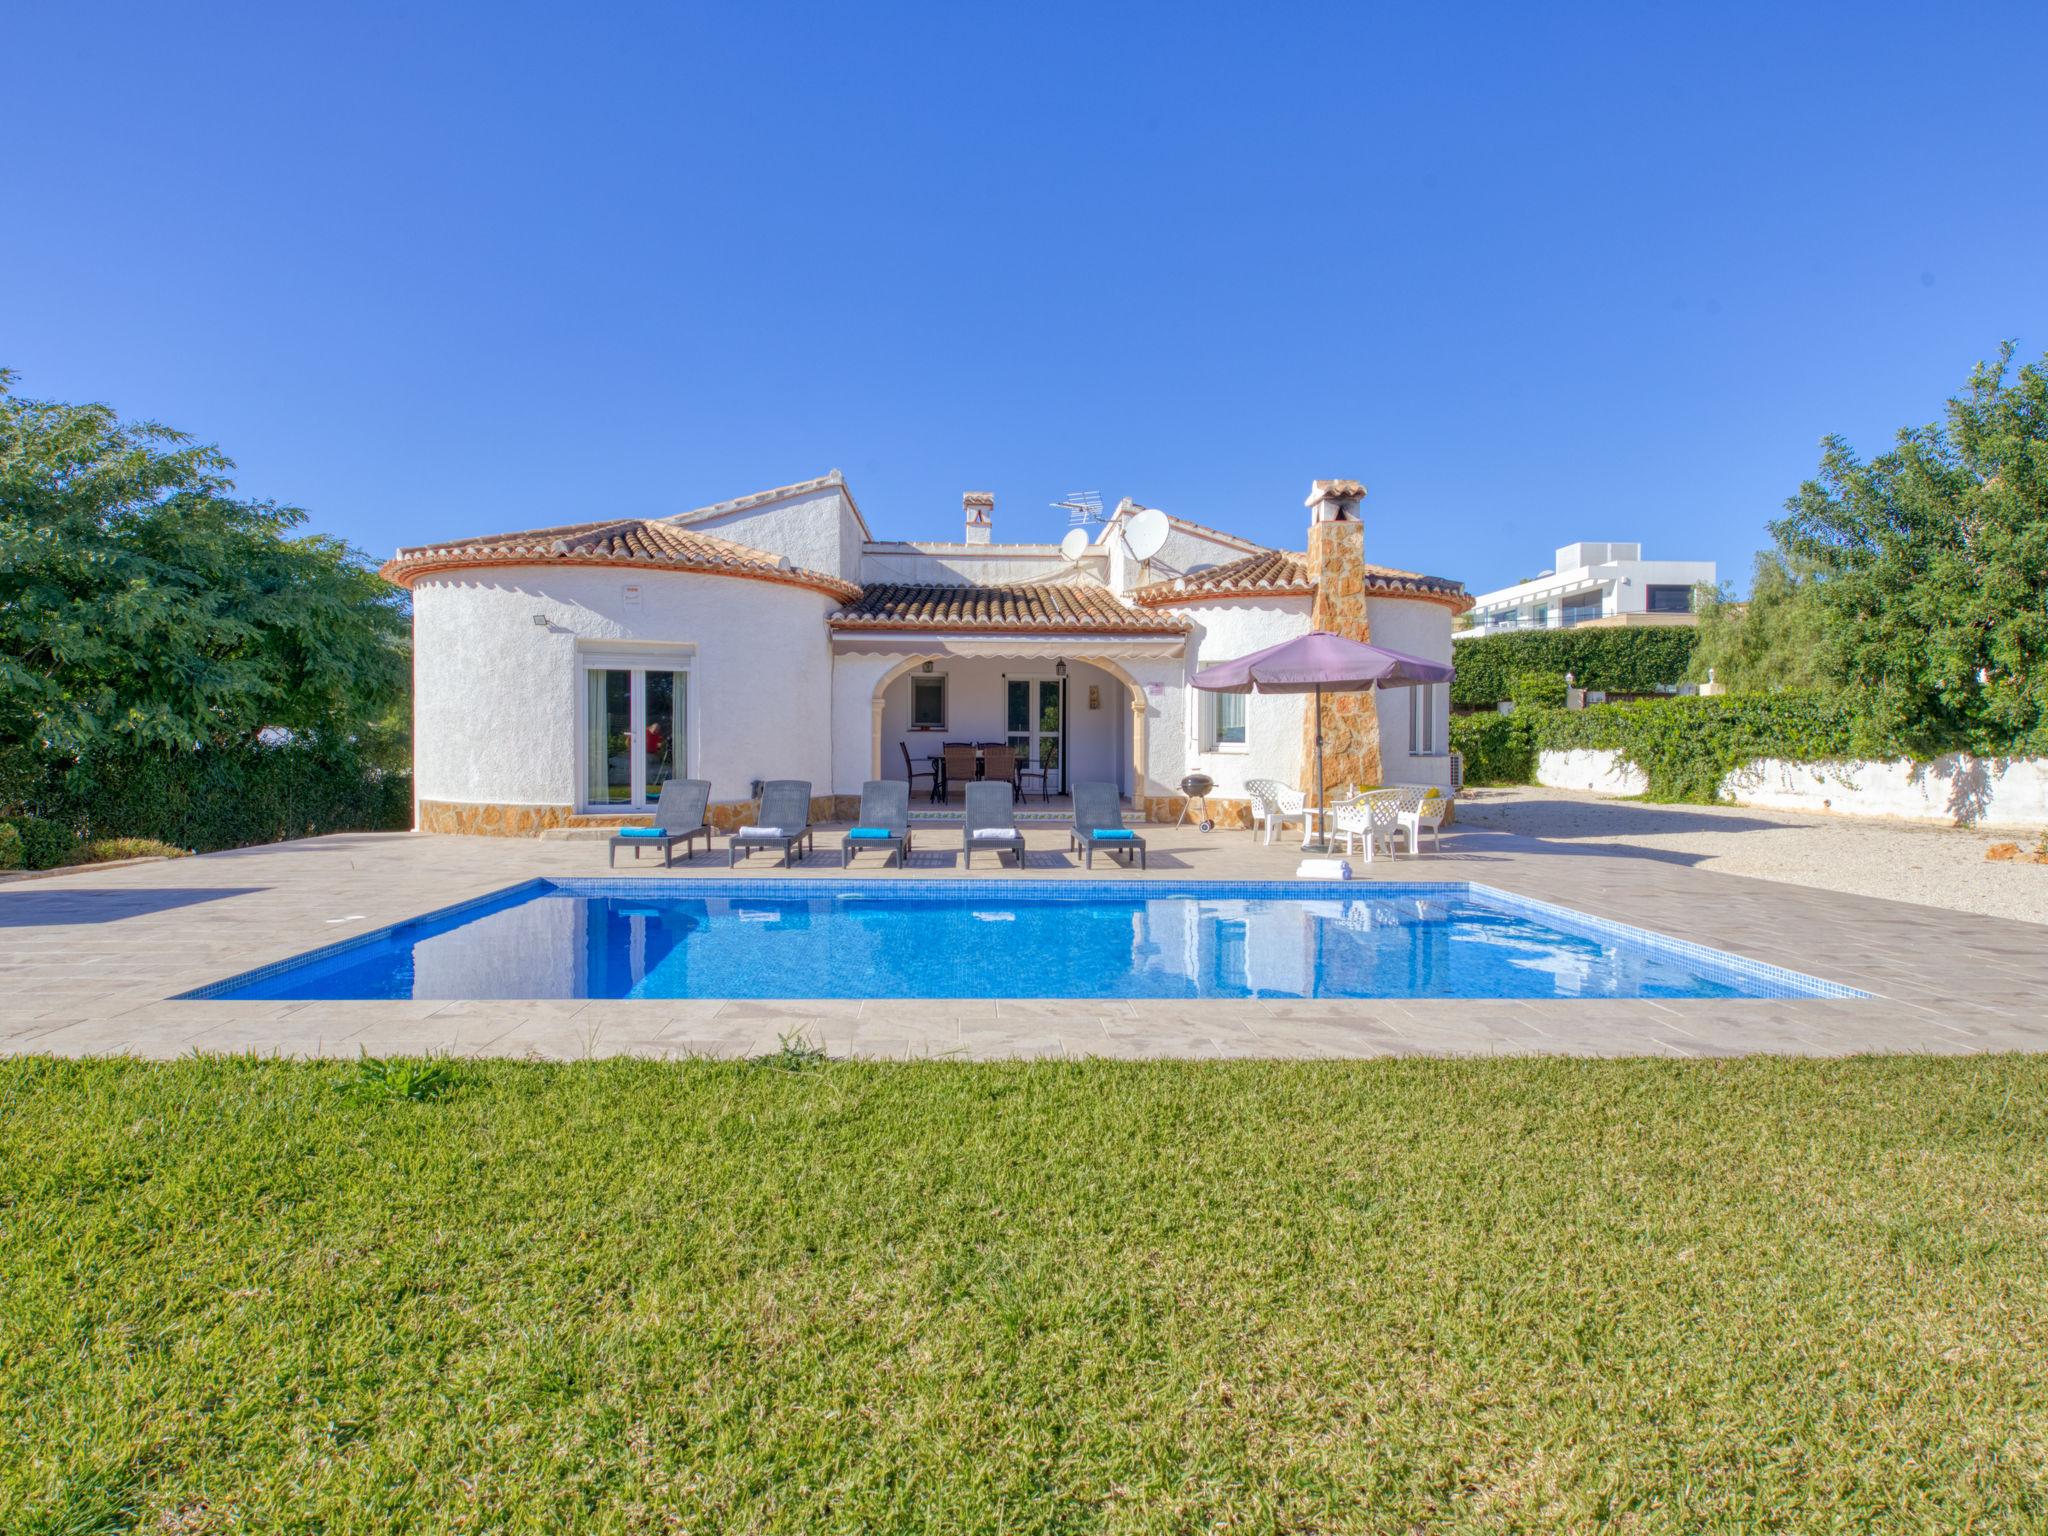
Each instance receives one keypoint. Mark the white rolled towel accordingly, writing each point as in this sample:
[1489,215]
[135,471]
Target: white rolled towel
[763,832]
[995,834]
[1324,869]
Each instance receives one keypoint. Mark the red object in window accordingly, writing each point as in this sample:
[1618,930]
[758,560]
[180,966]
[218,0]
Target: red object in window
[655,738]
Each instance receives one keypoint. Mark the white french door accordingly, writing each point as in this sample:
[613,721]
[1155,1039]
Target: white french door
[635,734]
[1035,714]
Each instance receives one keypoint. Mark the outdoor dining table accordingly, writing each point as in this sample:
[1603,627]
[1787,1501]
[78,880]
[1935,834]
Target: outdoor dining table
[938,762]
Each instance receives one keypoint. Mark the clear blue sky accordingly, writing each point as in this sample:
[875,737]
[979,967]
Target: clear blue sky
[1533,274]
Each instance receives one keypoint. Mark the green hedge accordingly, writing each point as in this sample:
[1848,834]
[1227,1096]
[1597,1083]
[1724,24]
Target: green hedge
[213,799]
[1539,690]
[1638,660]
[1685,747]
[1498,749]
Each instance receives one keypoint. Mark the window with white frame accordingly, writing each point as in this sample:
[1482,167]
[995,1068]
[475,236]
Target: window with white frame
[1226,722]
[1422,721]
[928,703]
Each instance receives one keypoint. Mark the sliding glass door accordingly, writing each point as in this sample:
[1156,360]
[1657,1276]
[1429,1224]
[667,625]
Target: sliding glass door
[635,736]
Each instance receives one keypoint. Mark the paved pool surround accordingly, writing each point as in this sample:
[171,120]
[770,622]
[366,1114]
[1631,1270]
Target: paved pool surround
[90,963]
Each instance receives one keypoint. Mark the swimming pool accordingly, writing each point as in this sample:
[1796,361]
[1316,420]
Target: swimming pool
[1011,939]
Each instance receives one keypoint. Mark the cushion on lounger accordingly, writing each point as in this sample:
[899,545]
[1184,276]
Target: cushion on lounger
[1113,834]
[871,832]
[994,834]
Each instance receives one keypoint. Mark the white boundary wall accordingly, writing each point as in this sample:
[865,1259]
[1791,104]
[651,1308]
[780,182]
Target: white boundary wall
[1956,789]
[1603,772]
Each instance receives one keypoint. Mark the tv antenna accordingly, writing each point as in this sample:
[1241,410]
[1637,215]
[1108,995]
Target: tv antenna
[1081,507]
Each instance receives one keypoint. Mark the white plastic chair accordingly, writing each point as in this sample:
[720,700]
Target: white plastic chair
[1373,818]
[1275,804]
[1425,815]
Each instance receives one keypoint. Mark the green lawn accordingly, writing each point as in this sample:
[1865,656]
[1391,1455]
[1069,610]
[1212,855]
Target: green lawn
[1395,1296]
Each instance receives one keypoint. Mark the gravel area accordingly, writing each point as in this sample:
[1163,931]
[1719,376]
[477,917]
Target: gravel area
[1898,860]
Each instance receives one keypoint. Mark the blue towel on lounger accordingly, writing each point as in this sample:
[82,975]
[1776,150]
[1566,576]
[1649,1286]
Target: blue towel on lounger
[1113,835]
[641,832]
[871,832]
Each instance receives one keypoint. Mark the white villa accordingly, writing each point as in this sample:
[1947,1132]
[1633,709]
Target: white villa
[1600,586]
[562,674]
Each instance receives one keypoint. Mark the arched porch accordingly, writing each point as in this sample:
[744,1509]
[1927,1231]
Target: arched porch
[926,691]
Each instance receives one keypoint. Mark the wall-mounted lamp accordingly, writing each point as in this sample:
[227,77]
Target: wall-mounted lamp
[1060,666]
[927,667]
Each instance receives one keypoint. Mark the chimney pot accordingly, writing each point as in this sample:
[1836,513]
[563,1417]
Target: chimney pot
[980,507]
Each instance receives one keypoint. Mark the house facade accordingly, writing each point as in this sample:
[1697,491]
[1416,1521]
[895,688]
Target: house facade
[562,674]
[1594,585]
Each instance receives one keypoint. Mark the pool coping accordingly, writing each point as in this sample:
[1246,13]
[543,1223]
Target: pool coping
[1571,920]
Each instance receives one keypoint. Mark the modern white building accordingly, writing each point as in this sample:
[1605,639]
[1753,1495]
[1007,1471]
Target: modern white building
[562,674]
[1604,585]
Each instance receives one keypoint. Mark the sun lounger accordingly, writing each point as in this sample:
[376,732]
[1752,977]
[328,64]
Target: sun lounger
[1099,824]
[678,818]
[991,825]
[884,825]
[783,823]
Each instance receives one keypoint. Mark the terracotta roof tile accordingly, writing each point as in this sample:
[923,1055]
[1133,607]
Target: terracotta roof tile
[1028,606]
[617,542]
[1286,573]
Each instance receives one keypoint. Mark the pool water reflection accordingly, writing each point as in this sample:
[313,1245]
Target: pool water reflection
[944,939]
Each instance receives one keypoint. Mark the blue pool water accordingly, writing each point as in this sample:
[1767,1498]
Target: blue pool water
[1080,939]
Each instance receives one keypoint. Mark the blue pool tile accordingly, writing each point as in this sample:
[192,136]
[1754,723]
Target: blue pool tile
[1081,939]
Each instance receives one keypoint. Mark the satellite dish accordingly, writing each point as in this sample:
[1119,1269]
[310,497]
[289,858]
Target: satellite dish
[1074,545]
[1145,534]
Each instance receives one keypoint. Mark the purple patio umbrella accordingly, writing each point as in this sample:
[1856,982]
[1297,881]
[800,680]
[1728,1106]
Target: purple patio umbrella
[1312,662]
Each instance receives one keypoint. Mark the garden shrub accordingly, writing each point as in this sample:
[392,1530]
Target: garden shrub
[43,844]
[216,798]
[1538,690]
[1638,660]
[10,846]
[1685,747]
[1498,749]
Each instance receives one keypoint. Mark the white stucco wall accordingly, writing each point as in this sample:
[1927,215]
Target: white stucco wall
[1225,631]
[817,531]
[1419,629]
[1984,792]
[1584,769]
[498,700]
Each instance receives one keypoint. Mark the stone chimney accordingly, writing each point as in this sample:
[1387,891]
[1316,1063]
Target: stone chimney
[980,507]
[1336,562]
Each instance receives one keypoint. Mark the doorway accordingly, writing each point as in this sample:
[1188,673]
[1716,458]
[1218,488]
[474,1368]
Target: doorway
[1036,722]
[635,734]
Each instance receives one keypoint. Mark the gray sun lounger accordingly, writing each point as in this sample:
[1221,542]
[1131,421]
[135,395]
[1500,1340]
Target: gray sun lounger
[990,810]
[785,820]
[1098,821]
[678,818]
[884,807]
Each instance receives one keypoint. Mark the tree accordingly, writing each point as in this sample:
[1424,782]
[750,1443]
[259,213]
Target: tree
[144,606]
[1770,642]
[1930,572]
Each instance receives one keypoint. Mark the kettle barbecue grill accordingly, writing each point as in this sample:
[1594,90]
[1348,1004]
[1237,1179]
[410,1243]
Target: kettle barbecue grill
[1196,786]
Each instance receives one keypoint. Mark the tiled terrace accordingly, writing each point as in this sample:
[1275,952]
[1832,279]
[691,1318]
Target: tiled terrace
[90,961]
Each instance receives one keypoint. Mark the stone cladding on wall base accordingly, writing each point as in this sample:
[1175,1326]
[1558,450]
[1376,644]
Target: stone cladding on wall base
[485,820]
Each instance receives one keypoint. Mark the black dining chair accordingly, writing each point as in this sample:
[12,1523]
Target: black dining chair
[1027,771]
[913,773]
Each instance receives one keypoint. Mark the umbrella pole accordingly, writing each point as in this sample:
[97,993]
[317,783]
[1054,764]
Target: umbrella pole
[1322,810]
